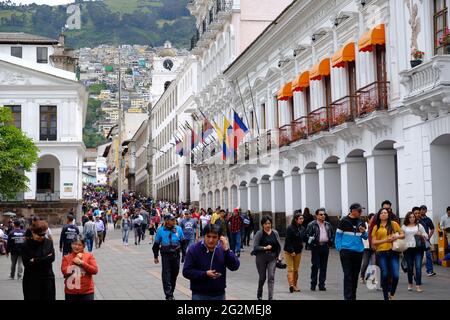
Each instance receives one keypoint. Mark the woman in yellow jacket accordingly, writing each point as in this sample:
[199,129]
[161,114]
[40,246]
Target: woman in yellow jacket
[384,234]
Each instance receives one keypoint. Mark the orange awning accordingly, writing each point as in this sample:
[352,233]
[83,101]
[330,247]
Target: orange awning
[320,70]
[345,54]
[286,92]
[371,38]
[301,82]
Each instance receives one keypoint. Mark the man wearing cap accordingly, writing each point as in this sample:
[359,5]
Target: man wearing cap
[350,233]
[320,237]
[428,225]
[169,239]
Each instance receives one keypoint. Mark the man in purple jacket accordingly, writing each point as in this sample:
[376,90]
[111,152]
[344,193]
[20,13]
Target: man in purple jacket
[206,264]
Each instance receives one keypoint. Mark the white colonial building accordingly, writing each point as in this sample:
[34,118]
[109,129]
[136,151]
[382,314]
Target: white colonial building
[49,106]
[338,113]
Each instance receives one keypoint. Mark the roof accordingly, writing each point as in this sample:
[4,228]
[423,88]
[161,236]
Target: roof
[24,38]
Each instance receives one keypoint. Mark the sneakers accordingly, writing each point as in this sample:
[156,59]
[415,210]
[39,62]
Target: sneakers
[11,278]
[432,274]
[322,289]
[291,289]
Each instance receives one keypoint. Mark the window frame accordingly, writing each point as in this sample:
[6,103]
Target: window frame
[48,115]
[38,59]
[21,52]
[17,115]
[439,49]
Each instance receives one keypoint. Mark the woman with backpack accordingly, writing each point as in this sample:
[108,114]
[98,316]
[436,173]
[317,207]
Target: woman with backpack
[384,233]
[415,237]
[126,226]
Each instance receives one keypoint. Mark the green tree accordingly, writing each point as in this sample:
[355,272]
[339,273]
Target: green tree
[18,153]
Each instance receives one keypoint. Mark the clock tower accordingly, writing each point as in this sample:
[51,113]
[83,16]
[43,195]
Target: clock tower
[166,65]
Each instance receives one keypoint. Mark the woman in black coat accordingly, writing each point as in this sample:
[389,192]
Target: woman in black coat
[293,247]
[38,254]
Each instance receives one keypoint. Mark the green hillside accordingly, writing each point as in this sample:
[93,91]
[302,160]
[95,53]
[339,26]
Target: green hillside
[105,22]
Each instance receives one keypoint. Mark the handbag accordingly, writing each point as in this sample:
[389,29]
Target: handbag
[420,242]
[399,245]
[281,265]
[404,264]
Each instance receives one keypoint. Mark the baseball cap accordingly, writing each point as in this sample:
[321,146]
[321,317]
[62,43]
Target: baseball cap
[169,216]
[185,211]
[356,206]
[236,209]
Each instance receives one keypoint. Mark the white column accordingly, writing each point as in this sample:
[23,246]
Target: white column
[292,187]
[253,198]
[32,176]
[243,198]
[353,182]
[329,186]
[277,194]
[381,182]
[310,189]
[264,196]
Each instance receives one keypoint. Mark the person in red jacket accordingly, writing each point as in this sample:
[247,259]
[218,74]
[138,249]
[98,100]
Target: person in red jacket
[78,268]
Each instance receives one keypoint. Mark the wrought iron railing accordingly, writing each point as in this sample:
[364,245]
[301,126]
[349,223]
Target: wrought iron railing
[373,97]
[48,196]
[343,110]
[299,129]
[318,120]
[285,135]
[18,197]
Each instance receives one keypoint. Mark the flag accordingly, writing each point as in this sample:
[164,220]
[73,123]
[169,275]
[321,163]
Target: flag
[227,138]
[240,129]
[179,147]
[207,129]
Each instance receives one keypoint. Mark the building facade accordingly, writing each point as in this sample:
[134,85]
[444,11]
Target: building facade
[337,113]
[49,106]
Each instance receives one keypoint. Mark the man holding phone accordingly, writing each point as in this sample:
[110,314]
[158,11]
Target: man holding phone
[206,264]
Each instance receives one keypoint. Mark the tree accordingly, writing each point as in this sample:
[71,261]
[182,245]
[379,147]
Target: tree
[18,153]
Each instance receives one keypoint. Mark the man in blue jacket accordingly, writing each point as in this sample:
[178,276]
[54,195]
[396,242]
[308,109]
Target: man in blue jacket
[169,239]
[68,233]
[206,265]
[350,233]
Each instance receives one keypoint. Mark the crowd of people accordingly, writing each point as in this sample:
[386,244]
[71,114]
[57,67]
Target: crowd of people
[208,242]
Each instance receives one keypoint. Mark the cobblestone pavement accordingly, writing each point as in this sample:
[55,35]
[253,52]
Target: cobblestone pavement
[128,273]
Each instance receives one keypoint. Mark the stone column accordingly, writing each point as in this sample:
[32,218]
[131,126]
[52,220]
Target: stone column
[292,187]
[32,176]
[243,198]
[278,202]
[310,189]
[253,198]
[329,186]
[265,199]
[353,182]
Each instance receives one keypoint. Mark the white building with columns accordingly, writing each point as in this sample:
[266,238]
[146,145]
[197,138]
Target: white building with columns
[338,115]
[49,106]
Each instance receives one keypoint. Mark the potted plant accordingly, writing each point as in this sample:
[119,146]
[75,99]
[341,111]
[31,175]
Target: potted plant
[444,40]
[417,57]
[298,133]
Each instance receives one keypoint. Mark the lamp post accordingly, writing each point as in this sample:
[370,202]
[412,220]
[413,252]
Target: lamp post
[119,182]
[150,153]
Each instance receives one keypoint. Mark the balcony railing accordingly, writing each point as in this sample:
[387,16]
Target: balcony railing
[285,135]
[18,197]
[372,97]
[299,129]
[343,110]
[265,141]
[318,120]
[47,196]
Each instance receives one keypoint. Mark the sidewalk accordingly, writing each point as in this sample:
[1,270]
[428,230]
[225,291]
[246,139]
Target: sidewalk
[128,273]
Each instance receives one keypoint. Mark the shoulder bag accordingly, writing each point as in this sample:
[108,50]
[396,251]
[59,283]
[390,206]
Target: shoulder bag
[399,245]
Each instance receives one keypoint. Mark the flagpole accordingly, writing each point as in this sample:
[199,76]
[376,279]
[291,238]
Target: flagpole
[243,104]
[253,102]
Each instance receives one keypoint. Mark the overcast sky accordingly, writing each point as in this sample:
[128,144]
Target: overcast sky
[49,2]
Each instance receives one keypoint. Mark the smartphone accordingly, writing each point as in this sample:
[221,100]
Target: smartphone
[217,274]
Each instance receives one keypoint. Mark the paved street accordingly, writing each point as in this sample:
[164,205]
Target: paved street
[128,273]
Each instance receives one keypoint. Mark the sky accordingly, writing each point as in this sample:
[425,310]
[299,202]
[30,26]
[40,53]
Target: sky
[49,2]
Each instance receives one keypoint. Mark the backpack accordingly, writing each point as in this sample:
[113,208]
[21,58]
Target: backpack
[90,234]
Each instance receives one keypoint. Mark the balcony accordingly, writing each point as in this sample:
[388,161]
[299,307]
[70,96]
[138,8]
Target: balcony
[371,98]
[285,135]
[47,196]
[299,129]
[343,110]
[267,142]
[428,87]
[318,121]
[18,197]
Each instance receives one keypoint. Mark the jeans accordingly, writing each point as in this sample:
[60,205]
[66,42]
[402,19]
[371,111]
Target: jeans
[365,262]
[351,265]
[185,248]
[247,232]
[235,242]
[200,296]
[266,264]
[143,227]
[16,259]
[414,258]
[319,261]
[79,297]
[242,238]
[125,233]
[429,263]
[170,270]
[89,243]
[389,264]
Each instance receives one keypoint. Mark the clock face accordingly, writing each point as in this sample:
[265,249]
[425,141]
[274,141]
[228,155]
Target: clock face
[168,64]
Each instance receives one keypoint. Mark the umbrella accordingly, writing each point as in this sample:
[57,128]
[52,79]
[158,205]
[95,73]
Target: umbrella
[9,214]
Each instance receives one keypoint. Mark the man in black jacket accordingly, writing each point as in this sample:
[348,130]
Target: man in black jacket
[68,233]
[319,235]
[16,239]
